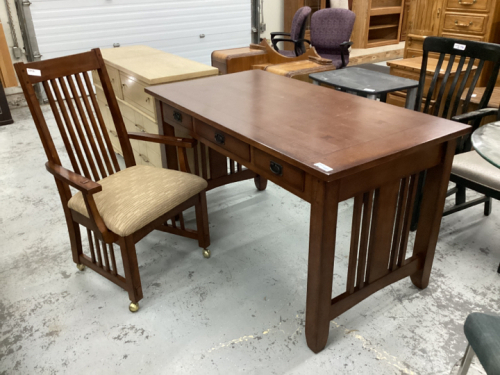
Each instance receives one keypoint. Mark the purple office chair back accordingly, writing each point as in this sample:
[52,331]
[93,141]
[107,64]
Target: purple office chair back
[330,31]
[299,23]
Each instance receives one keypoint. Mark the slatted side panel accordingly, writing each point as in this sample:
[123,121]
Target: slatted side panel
[103,256]
[65,27]
[379,238]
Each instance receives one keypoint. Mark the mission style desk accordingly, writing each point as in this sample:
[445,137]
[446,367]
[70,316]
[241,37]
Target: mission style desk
[326,146]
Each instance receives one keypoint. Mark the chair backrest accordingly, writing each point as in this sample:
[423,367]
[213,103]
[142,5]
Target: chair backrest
[466,59]
[81,125]
[298,29]
[331,27]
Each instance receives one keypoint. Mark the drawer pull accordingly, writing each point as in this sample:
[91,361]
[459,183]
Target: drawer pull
[140,128]
[463,24]
[148,99]
[144,157]
[276,168]
[220,139]
[467,3]
[177,116]
[113,133]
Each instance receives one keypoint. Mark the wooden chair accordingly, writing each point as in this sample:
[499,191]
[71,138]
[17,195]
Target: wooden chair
[448,97]
[116,206]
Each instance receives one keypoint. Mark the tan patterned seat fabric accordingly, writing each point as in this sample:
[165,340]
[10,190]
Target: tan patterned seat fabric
[471,166]
[134,197]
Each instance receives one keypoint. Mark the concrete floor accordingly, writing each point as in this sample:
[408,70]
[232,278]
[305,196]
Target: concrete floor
[242,311]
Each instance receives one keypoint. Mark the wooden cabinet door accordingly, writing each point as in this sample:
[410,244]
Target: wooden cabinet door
[424,17]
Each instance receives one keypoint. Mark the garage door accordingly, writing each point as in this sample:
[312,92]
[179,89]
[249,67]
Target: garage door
[188,28]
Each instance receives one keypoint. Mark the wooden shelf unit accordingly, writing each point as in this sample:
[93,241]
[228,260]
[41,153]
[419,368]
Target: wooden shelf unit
[378,22]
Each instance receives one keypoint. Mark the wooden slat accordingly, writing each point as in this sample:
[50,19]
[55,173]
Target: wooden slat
[69,126]
[196,161]
[91,245]
[181,220]
[231,166]
[203,161]
[402,206]
[365,232]
[60,125]
[218,164]
[98,249]
[98,113]
[444,82]
[113,261]
[407,220]
[353,254]
[451,92]
[97,133]
[86,126]
[465,107]
[432,86]
[461,89]
[384,212]
[78,127]
[106,257]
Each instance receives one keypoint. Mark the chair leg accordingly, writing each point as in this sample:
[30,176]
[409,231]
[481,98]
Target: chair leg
[202,224]
[498,270]
[131,268]
[460,195]
[75,238]
[466,361]
[487,206]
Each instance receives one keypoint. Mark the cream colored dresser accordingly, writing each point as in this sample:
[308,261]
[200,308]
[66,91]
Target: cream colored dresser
[132,69]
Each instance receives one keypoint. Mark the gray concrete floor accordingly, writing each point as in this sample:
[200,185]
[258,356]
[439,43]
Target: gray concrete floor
[242,311]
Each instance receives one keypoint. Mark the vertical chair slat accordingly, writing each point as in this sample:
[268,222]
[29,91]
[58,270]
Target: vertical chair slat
[106,258]
[421,82]
[98,250]
[78,127]
[356,222]
[412,193]
[231,166]
[196,161]
[91,245]
[98,113]
[449,97]
[113,261]
[365,232]
[173,222]
[461,89]
[95,127]
[85,123]
[69,126]
[181,219]
[203,161]
[443,85]
[240,168]
[472,86]
[60,125]
[432,86]
[399,223]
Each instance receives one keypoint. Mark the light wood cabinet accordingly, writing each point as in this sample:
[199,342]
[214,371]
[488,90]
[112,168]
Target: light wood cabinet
[132,69]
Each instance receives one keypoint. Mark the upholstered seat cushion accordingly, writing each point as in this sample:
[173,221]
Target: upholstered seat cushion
[471,166]
[483,333]
[132,198]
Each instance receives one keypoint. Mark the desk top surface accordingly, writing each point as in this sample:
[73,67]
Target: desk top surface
[306,124]
[153,66]
[364,80]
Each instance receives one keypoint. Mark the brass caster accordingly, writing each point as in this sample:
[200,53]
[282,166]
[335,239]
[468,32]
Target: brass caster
[133,307]
[81,267]
[206,253]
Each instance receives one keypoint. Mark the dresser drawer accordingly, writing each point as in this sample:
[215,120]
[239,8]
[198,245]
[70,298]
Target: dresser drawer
[126,110]
[467,5]
[115,142]
[464,23]
[281,172]
[223,140]
[475,38]
[174,117]
[133,93]
[114,77]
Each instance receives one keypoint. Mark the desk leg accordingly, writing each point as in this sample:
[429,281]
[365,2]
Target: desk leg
[411,97]
[322,235]
[169,157]
[372,97]
[431,212]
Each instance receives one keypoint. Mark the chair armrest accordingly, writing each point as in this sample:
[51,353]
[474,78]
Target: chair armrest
[346,44]
[73,179]
[278,33]
[344,47]
[163,139]
[295,42]
[475,115]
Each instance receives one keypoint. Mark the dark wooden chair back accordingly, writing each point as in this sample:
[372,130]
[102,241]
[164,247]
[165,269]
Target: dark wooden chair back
[67,83]
[469,59]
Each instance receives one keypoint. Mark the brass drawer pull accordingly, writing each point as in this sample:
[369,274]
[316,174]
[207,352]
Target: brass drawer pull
[463,24]
[148,99]
[220,139]
[144,157]
[276,168]
[177,116]
[113,133]
[467,3]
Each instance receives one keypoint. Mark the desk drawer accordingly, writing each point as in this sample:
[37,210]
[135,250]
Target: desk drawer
[175,117]
[223,140]
[468,5]
[464,23]
[285,174]
[134,94]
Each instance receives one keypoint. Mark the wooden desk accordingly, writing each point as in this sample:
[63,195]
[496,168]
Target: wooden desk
[281,128]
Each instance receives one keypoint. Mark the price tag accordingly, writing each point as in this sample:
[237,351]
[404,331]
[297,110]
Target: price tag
[461,47]
[34,72]
[326,168]
[369,90]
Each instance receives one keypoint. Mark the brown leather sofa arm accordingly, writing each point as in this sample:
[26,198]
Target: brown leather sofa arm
[75,180]
[163,139]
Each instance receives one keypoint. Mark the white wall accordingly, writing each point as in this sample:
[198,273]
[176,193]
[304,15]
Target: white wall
[273,16]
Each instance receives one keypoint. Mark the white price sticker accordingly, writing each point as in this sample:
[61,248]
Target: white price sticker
[34,72]
[369,90]
[461,47]
[326,168]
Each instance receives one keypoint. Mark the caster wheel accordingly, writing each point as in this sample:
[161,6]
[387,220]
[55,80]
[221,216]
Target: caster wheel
[206,253]
[81,267]
[133,307]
